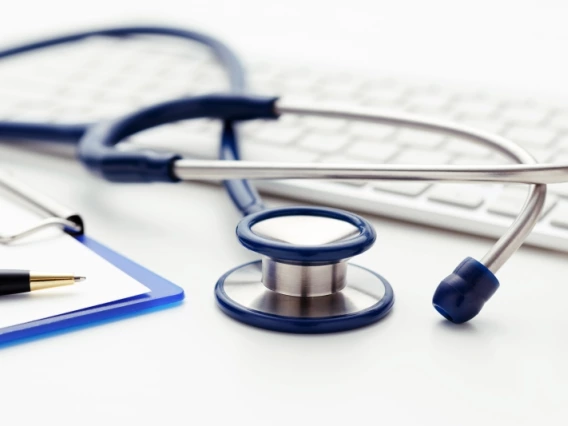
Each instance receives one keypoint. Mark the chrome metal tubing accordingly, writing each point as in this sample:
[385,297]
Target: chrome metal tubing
[501,250]
[516,173]
[61,216]
[46,223]
[514,237]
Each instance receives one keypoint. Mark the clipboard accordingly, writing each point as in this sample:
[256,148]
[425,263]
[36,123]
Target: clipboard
[163,293]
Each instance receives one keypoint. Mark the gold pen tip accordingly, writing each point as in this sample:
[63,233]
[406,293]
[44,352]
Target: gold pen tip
[79,279]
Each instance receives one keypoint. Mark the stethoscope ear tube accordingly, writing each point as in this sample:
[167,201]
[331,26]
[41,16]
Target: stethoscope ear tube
[96,148]
[107,162]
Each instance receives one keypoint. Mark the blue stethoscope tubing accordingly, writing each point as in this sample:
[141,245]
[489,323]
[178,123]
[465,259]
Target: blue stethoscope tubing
[244,196]
[95,150]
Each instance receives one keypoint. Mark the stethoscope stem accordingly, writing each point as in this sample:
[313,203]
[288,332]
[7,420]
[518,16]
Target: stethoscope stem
[192,170]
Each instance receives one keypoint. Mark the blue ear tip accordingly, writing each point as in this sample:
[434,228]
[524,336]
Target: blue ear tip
[461,295]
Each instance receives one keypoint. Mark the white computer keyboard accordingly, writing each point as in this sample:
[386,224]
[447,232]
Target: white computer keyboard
[100,78]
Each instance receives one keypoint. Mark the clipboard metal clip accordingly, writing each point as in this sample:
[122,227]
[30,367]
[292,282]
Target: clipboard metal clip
[60,216]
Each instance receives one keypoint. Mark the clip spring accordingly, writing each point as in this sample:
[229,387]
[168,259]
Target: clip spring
[60,216]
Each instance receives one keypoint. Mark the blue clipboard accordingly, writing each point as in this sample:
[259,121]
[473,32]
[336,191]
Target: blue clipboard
[162,293]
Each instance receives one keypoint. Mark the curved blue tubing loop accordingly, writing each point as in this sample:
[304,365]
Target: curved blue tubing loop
[283,251]
[242,193]
[304,325]
[226,56]
[97,151]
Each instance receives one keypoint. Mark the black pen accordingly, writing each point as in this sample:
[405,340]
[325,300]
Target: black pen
[21,281]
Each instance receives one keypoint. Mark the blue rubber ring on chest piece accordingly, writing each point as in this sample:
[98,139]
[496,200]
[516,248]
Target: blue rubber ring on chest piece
[284,251]
[288,324]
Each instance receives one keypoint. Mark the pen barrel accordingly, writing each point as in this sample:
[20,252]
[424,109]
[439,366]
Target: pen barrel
[14,281]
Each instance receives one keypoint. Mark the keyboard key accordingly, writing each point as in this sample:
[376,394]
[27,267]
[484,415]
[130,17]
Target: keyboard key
[277,134]
[461,195]
[410,189]
[324,124]
[371,130]
[252,151]
[18,95]
[510,201]
[79,114]
[427,103]
[416,156]
[372,150]
[43,83]
[559,215]
[267,88]
[6,111]
[559,120]
[351,182]
[323,142]
[560,189]
[490,125]
[174,138]
[250,127]
[109,111]
[342,159]
[258,70]
[466,147]
[35,115]
[559,158]
[524,115]
[419,138]
[562,142]
[342,79]
[336,98]
[339,89]
[542,155]
[474,108]
[297,86]
[493,160]
[299,75]
[385,83]
[531,136]
[298,92]
[383,97]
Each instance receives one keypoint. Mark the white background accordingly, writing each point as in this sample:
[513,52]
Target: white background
[193,365]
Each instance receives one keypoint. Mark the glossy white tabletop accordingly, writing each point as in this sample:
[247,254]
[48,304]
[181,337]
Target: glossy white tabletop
[193,365]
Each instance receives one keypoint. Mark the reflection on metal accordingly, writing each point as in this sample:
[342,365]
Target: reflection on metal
[305,230]
[363,290]
[303,280]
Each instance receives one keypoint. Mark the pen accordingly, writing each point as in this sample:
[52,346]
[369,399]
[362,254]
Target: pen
[21,281]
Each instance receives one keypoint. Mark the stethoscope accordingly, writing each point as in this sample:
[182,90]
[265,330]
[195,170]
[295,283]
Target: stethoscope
[304,282]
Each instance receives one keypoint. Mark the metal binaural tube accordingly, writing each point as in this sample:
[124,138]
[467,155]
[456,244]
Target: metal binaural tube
[528,172]
[186,169]
[517,233]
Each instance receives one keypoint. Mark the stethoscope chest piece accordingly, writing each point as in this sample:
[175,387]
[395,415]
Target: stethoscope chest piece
[304,282]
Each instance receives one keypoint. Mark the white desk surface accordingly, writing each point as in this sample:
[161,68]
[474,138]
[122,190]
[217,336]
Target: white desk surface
[193,365]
